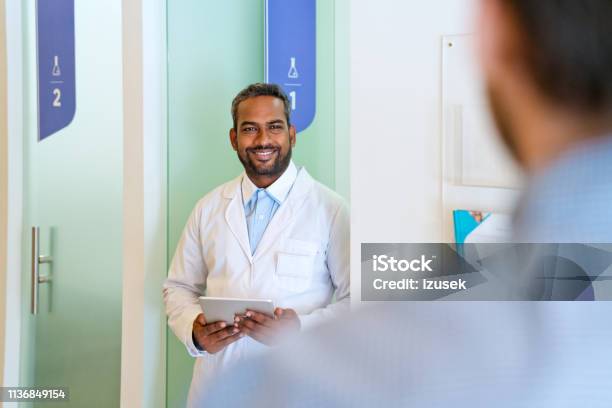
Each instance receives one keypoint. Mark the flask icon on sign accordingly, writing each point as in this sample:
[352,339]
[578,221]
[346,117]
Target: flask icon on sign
[293,73]
[56,68]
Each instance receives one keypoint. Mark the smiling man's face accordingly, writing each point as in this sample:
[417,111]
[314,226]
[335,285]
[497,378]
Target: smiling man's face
[263,139]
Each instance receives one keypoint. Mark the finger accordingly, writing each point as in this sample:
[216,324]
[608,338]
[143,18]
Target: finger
[223,334]
[257,335]
[250,324]
[255,327]
[278,312]
[290,318]
[259,317]
[289,314]
[213,328]
[238,319]
[230,339]
[201,319]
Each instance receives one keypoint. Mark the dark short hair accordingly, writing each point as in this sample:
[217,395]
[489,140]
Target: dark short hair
[260,89]
[569,50]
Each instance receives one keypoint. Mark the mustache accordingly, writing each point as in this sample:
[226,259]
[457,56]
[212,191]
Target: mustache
[262,147]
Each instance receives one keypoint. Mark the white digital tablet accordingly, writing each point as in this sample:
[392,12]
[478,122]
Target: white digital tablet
[225,309]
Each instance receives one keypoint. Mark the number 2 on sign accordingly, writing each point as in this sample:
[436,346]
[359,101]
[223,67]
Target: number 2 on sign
[57,103]
[293,96]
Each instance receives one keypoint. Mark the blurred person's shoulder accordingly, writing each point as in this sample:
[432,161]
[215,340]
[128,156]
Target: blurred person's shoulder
[508,354]
[571,200]
[394,354]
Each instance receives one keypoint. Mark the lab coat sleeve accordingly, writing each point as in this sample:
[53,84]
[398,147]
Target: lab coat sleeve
[338,264]
[185,283]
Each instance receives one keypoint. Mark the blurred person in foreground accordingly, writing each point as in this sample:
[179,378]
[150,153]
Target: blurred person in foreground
[548,66]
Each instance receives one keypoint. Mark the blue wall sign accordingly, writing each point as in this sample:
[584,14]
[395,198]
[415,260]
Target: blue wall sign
[56,65]
[291,36]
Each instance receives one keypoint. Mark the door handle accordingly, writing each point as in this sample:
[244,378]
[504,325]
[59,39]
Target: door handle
[37,259]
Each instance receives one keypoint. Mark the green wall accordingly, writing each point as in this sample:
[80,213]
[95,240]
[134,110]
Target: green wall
[216,48]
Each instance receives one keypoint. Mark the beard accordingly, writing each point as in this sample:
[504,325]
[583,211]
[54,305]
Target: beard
[502,121]
[278,166]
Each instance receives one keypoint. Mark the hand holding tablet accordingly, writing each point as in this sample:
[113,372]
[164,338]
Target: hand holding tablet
[266,329]
[215,336]
[218,309]
[215,329]
[231,318]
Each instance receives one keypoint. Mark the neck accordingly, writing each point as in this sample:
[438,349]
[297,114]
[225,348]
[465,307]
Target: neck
[543,130]
[545,138]
[263,181]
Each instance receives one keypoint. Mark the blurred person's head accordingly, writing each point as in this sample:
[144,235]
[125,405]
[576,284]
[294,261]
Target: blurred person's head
[262,134]
[548,67]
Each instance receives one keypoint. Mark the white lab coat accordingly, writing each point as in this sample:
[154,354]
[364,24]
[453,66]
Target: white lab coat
[301,261]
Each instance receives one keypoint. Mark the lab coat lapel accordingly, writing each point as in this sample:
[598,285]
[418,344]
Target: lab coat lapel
[235,217]
[286,213]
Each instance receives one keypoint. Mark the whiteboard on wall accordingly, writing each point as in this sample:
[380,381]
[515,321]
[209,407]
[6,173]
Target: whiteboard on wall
[476,156]
[478,171]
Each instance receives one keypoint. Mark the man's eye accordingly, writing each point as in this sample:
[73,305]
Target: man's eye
[276,127]
[249,129]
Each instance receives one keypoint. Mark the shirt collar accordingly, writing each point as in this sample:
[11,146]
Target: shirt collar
[279,190]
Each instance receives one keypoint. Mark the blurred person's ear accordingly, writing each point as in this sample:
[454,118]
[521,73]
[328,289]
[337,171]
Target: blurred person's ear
[513,98]
[502,46]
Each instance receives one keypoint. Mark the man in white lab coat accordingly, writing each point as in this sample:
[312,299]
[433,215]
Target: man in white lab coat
[272,233]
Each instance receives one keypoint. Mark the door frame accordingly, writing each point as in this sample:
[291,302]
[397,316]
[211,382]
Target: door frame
[143,343]
[3,178]
[143,356]
[11,174]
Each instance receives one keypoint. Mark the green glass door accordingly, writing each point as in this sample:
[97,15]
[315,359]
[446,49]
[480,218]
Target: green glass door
[216,48]
[73,193]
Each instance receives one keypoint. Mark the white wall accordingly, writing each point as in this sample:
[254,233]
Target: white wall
[143,360]
[396,98]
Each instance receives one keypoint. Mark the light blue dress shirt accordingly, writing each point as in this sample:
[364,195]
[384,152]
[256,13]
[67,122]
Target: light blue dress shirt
[260,204]
[570,200]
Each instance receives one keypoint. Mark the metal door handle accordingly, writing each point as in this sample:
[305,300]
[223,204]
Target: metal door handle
[37,259]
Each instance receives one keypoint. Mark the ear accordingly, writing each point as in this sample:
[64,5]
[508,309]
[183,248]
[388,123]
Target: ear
[500,41]
[292,133]
[233,139]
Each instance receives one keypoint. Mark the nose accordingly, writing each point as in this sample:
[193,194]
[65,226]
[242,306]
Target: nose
[263,136]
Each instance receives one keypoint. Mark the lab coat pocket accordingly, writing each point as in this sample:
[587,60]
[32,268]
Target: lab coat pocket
[294,271]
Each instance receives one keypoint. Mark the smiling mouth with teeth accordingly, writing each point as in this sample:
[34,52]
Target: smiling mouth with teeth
[263,154]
